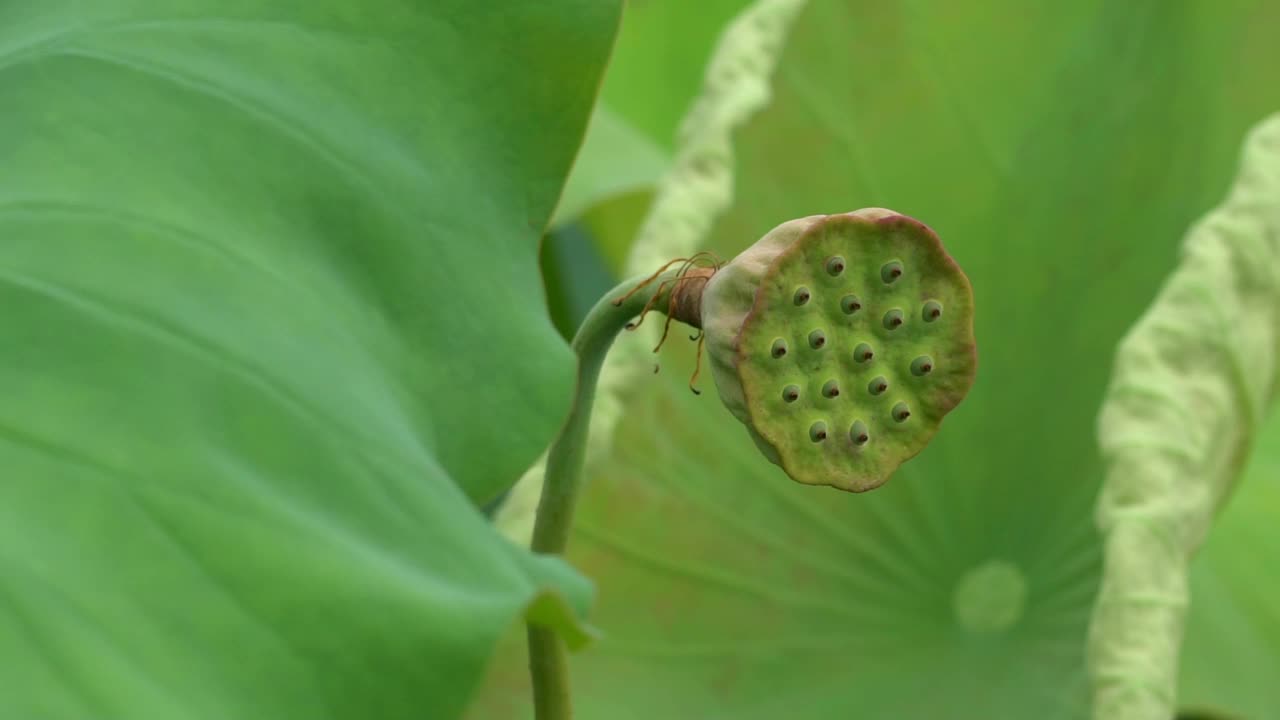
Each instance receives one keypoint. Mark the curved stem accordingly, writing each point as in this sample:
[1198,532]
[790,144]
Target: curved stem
[548,657]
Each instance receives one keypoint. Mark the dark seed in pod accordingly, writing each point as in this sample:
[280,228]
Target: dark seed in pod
[891,271]
[858,433]
[818,431]
[922,365]
[878,386]
[901,412]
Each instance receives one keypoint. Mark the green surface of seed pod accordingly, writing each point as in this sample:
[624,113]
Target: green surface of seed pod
[898,273]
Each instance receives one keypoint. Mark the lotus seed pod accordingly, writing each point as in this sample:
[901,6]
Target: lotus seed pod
[884,309]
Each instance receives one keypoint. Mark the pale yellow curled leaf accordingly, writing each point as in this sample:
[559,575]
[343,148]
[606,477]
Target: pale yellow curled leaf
[1191,383]
[696,190]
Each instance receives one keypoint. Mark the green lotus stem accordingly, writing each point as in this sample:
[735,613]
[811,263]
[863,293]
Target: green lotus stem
[548,656]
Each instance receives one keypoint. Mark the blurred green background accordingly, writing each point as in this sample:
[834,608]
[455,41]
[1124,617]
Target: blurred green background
[274,352]
[1061,152]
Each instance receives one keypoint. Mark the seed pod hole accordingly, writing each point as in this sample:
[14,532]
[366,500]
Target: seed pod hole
[817,339]
[802,295]
[850,304]
[858,433]
[862,353]
[878,386]
[893,319]
[922,365]
[818,431]
[890,272]
[779,348]
[931,311]
[835,266]
[901,412]
[791,393]
[831,389]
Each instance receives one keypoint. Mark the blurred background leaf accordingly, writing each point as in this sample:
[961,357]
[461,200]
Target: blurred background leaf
[615,159]
[574,274]
[1231,654]
[656,69]
[1059,151]
[264,270]
[615,163]
[1191,384]
[655,72]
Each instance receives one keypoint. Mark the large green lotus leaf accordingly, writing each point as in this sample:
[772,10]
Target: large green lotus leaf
[1059,150]
[271,327]
[1231,653]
